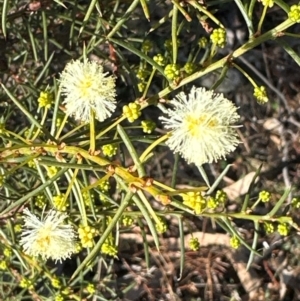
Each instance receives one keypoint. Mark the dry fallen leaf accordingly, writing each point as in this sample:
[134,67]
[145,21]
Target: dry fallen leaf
[240,187]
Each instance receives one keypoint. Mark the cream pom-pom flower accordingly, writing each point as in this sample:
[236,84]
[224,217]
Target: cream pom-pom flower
[48,237]
[87,88]
[201,125]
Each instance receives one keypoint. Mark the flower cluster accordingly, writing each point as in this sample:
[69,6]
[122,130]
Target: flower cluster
[88,90]
[202,43]
[234,242]
[109,247]
[86,235]
[194,244]
[260,93]
[269,227]
[55,282]
[194,200]
[46,99]
[31,164]
[132,111]
[148,126]
[26,283]
[91,289]
[218,37]
[190,68]
[199,202]
[3,265]
[109,150]
[160,59]
[40,201]
[7,252]
[294,14]
[219,199]
[264,196]
[283,229]
[51,171]
[161,227]
[172,71]
[49,238]
[201,126]
[127,221]
[59,202]
[88,197]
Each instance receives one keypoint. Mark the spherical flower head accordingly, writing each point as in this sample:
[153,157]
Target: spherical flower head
[264,196]
[87,89]
[52,171]
[26,283]
[172,71]
[86,236]
[160,59]
[161,227]
[194,244]
[234,242]
[294,13]
[202,43]
[127,221]
[218,37]
[109,249]
[132,111]
[260,93]
[212,203]
[283,229]
[202,126]
[7,252]
[59,202]
[110,149]
[91,289]
[141,86]
[269,227]
[40,201]
[148,126]
[190,67]
[221,196]
[48,237]
[194,200]
[3,265]
[104,186]
[46,99]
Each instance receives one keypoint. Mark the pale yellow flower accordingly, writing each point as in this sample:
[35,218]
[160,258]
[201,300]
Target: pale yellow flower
[201,126]
[87,88]
[49,237]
